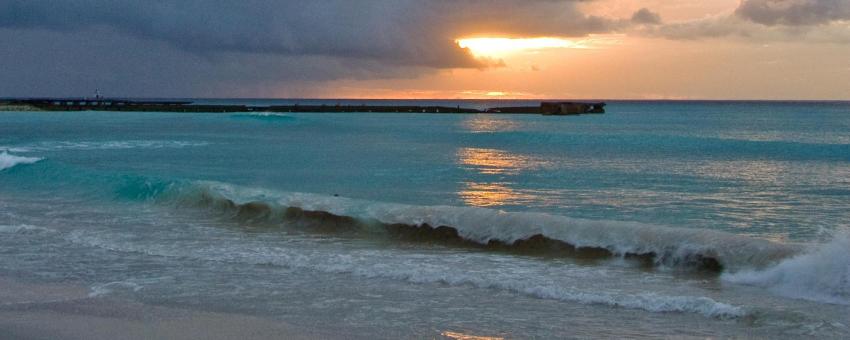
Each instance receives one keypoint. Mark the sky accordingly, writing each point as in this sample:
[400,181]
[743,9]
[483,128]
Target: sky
[511,49]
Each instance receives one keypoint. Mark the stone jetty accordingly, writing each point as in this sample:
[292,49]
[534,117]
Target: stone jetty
[102,104]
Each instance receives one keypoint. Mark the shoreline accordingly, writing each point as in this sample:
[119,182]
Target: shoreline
[30,310]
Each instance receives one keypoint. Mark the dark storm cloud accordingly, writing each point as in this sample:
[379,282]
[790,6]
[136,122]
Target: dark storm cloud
[334,28]
[794,12]
[192,44]
[407,32]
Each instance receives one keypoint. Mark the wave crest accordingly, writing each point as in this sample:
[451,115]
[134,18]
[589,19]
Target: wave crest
[7,161]
[821,274]
[526,233]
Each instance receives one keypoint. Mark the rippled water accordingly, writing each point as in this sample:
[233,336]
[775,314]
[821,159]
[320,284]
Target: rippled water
[655,219]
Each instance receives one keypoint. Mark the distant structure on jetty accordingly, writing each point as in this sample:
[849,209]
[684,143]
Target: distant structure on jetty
[554,108]
[102,104]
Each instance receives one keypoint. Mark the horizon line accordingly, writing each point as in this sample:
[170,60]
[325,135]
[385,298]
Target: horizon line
[434,99]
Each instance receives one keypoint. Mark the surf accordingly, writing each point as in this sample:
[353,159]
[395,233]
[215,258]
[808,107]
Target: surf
[819,274]
[526,233]
[7,160]
[818,270]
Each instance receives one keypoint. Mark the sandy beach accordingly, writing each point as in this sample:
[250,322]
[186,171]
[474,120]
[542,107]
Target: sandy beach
[65,311]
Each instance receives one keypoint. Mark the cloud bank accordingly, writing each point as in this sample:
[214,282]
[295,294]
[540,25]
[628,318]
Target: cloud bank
[211,40]
[770,20]
[404,32]
[219,47]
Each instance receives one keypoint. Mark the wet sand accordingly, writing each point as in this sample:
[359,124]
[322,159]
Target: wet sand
[65,311]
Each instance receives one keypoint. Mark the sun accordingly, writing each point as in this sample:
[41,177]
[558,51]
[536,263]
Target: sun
[500,47]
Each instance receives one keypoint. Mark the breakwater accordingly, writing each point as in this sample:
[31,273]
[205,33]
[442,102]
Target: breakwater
[100,104]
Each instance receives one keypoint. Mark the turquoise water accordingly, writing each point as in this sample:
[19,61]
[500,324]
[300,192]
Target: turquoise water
[760,189]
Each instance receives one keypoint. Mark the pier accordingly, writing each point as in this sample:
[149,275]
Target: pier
[102,104]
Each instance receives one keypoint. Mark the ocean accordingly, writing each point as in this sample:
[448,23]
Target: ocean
[656,219]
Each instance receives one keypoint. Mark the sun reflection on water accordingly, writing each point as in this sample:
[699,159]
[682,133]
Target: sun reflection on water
[496,162]
[493,194]
[489,124]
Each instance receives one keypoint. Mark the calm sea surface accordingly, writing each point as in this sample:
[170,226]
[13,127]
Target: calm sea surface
[655,219]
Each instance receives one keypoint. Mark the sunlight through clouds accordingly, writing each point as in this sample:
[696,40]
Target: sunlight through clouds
[498,47]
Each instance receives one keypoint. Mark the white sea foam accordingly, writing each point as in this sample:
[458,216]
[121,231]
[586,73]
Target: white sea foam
[8,160]
[14,149]
[108,288]
[22,229]
[417,269]
[820,274]
[104,145]
[118,145]
[547,290]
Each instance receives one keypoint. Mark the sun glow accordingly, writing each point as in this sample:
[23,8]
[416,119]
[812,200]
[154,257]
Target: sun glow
[496,47]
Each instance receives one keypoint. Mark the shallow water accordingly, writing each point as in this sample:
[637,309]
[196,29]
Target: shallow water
[197,210]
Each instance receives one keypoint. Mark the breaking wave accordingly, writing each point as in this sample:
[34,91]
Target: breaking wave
[7,160]
[522,232]
[820,274]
